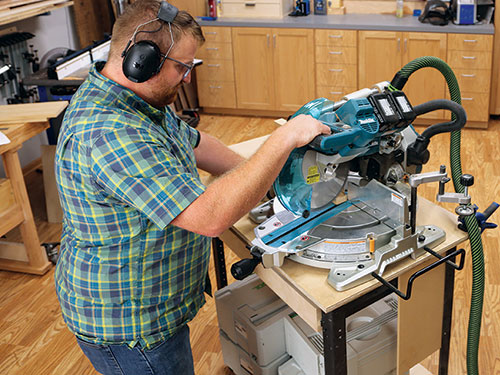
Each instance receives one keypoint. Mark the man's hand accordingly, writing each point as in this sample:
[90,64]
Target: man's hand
[302,129]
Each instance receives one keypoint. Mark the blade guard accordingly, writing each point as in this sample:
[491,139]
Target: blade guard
[353,125]
[290,188]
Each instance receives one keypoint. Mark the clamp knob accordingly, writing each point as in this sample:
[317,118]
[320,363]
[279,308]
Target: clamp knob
[467,180]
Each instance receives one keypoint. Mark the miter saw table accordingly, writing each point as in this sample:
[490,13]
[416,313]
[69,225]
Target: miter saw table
[424,321]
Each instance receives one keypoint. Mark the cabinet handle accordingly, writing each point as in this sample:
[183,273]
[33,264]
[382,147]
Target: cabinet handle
[335,53]
[335,92]
[399,44]
[469,57]
[336,70]
[268,40]
[335,36]
[470,41]
[215,87]
[468,75]
[405,45]
[211,32]
[250,4]
[212,48]
[274,40]
[469,99]
[213,65]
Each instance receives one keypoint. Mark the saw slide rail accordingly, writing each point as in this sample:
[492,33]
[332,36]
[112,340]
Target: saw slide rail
[471,223]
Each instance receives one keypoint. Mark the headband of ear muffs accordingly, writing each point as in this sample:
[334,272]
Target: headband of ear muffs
[144,59]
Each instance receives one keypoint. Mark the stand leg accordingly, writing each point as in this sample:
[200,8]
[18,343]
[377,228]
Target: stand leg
[334,329]
[219,262]
[334,342]
[444,352]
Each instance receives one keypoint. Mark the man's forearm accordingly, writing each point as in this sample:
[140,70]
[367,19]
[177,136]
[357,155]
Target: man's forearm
[233,194]
[215,157]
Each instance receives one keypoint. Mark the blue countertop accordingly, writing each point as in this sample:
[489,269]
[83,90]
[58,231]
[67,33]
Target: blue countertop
[381,22]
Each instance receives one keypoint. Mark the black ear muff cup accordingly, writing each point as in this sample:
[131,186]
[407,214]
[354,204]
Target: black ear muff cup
[141,61]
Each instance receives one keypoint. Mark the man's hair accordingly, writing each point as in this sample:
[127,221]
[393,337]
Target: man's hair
[142,11]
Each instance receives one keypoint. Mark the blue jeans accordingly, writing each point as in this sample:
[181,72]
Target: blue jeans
[171,357]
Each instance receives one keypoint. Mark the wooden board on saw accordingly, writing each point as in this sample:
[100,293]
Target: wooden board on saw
[30,112]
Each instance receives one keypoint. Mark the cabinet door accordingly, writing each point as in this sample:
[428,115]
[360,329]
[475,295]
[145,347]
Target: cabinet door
[379,56]
[253,67]
[293,68]
[427,83]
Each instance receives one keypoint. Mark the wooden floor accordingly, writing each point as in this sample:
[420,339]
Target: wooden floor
[34,339]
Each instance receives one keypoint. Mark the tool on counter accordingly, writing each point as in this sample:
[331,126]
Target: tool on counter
[348,200]
[302,8]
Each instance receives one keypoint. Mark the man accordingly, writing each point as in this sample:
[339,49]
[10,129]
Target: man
[137,219]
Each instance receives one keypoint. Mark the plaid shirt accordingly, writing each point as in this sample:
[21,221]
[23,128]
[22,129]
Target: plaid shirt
[124,171]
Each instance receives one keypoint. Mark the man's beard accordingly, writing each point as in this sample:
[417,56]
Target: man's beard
[170,95]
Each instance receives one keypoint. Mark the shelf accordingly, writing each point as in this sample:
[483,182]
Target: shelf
[17,10]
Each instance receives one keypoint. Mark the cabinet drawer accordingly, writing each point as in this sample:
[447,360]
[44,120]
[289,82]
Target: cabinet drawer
[217,34]
[333,93]
[216,51]
[336,38]
[469,59]
[477,81]
[216,94]
[336,55]
[254,9]
[215,70]
[470,42]
[476,106]
[336,75]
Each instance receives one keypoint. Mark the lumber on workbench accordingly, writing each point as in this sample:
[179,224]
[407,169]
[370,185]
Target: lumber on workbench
[17,10]
[30,112]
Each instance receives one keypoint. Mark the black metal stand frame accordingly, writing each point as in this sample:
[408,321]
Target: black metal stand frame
[334,322]
[334,328]
[219,262]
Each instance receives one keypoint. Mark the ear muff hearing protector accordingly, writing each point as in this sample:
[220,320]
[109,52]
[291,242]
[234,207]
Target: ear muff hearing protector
[143,59]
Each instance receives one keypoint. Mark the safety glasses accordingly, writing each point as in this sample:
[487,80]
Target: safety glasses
[186,69]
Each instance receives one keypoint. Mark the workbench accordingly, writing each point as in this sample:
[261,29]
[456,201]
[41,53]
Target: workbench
[19,123]
[424,321]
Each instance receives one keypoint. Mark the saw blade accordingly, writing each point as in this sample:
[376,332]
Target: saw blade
[326,180]
[304,184]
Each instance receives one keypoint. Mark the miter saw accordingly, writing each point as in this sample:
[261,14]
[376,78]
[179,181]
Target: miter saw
[346,201]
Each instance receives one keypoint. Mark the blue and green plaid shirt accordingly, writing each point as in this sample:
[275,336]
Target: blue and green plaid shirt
[124,171]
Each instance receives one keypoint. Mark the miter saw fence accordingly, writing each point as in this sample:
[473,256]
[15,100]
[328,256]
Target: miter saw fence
[343,202]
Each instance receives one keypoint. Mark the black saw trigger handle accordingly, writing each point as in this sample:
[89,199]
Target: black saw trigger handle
[245,267]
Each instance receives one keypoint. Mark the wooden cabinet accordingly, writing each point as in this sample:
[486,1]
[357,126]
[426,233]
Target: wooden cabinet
[215,77]
[253,65]
[470,58]
[274,68]
[251,70]
[336,63]
[383,53]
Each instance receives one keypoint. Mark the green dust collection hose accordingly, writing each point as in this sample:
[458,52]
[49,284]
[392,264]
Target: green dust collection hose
[476,308]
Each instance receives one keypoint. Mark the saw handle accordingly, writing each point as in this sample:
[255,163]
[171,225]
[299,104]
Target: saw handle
[317,142]
[244,268]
